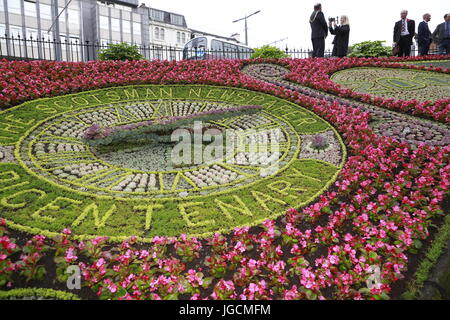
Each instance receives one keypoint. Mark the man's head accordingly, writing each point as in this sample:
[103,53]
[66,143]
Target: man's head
[447,17]
[427,17]
[318,7]
[404,14]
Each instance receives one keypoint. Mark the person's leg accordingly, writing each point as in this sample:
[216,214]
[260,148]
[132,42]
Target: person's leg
[441,48]
[401,46]
[426,49]
[314,44]
[321,48]
[447,47]
[406,47]
[334,53]
[421,50]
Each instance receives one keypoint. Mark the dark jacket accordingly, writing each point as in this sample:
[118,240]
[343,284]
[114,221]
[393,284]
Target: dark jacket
[342,34]
[439,33]
[424,34]
[398,30]
[319,27]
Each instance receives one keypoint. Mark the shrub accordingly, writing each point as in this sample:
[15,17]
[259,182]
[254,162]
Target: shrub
[269,52]
[120,51]
[370,49]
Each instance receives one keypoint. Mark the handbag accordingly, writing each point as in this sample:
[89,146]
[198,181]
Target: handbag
[396,50]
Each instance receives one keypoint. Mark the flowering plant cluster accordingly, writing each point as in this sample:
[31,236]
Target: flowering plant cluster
[106,135]
[27,263]
[374,217]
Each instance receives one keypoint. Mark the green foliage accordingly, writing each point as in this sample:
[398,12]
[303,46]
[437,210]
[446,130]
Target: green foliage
[370,49]
[432,255]
[37,293]
[120,51]
[269,52]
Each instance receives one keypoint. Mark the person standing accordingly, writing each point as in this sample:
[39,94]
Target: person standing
[404,31]
[319,31]
[442,35]
[424,36]
[342,35]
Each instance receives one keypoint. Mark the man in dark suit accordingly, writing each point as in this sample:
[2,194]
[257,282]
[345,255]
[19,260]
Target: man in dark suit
[319,31]
[424,37]
[442,35]
[404,31]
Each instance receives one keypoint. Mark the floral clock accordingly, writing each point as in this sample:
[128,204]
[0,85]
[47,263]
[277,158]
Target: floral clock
[51,178]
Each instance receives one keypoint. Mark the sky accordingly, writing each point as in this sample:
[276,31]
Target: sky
[280,19]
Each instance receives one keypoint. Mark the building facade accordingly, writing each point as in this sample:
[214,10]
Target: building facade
[74,30]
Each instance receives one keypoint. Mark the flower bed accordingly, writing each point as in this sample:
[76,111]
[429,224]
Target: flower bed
[377,213]
[395,83]
[316,73]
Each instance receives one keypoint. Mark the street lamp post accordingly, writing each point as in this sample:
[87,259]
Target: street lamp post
[246,28]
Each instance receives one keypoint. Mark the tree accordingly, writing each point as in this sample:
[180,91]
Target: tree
[120,51]
[269,52]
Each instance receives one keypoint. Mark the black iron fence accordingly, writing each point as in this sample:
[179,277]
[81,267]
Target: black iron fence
[73,50]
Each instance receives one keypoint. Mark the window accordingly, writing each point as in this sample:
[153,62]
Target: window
[47,36]
[31,33]
[216,45]
[45,11]
[115,25]
[126,26]
[62,16]
[104,23]
[136,28]
[195,49]
[161,34]
[156,33]
[15,31]
[30,9]
[178,37]
[74,17]
[2,33]
[63,39]
[173,55]
[74,40]
[230,50]
[244,53]
[156,15]
[183,38]
[14,6]
[176,19]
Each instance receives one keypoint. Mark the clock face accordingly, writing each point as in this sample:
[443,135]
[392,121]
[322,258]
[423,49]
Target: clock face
[205,176]
[144,169]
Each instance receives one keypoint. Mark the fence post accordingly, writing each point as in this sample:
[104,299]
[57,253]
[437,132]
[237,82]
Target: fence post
[87,50]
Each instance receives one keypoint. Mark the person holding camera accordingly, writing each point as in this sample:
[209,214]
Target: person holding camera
[341,36]
[319,31]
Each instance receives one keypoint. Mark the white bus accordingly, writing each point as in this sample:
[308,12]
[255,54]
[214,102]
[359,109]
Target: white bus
[207,47]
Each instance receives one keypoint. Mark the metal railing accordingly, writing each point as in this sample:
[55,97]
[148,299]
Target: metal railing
[19,48]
